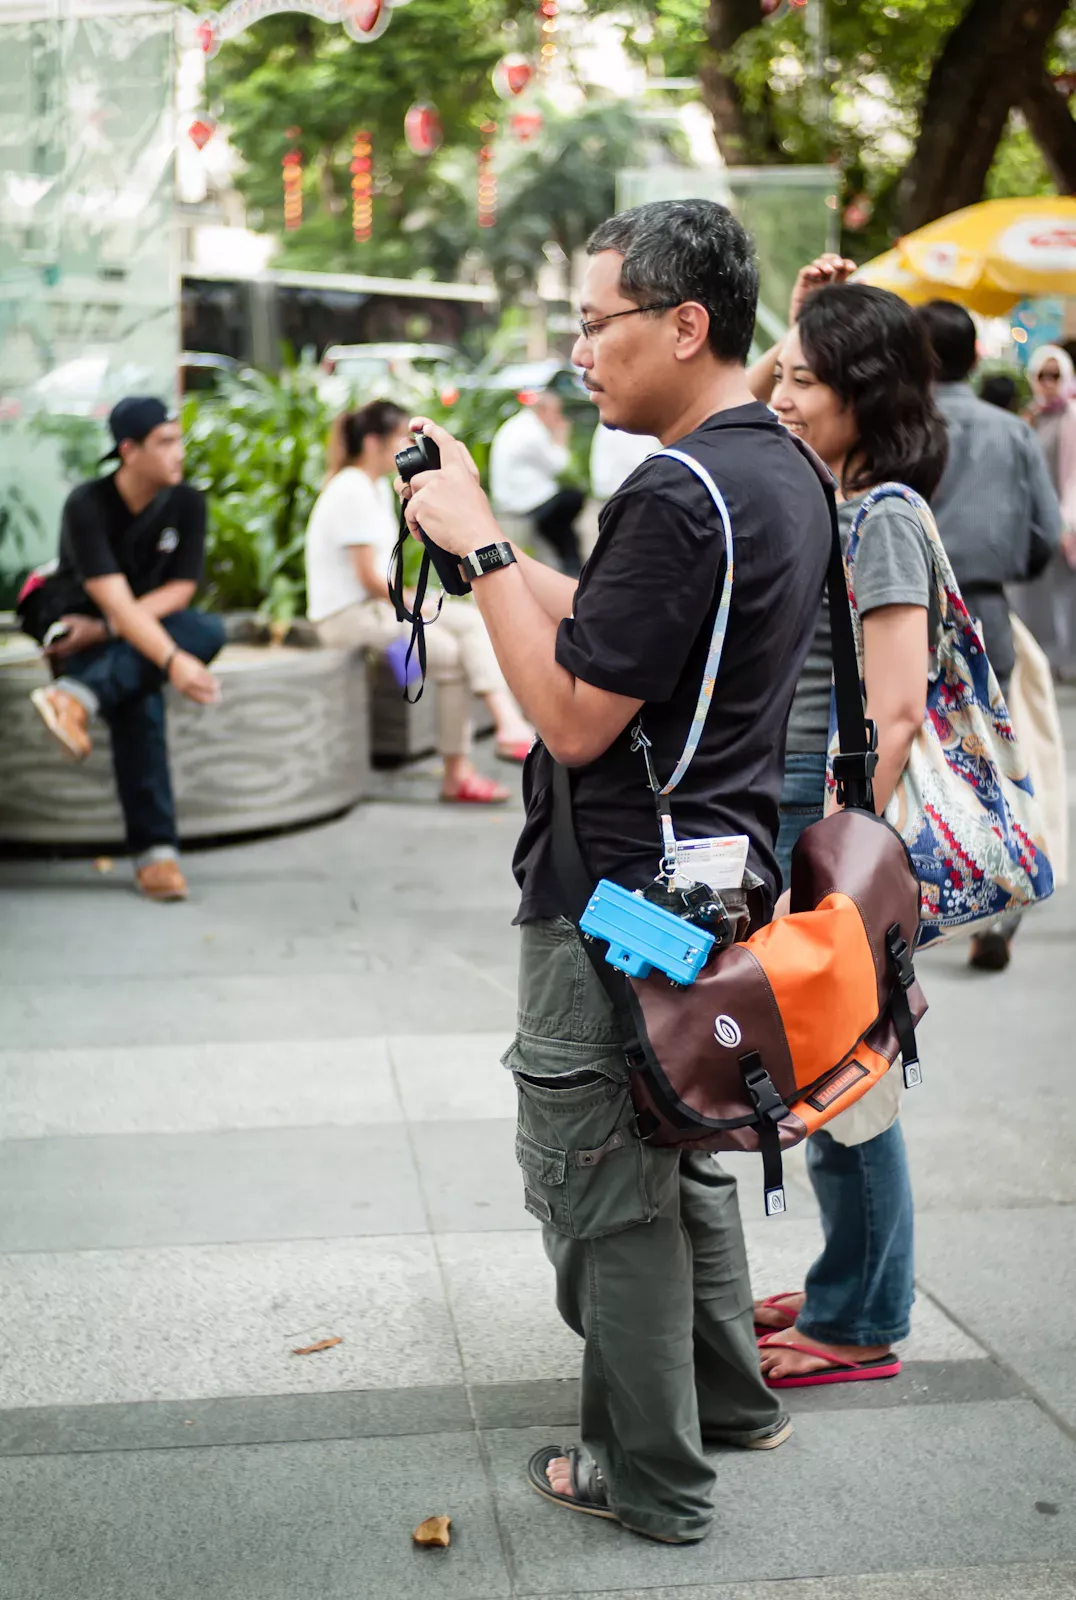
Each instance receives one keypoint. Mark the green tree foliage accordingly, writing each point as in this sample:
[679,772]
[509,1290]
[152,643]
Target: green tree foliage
[843,82]
[291,71]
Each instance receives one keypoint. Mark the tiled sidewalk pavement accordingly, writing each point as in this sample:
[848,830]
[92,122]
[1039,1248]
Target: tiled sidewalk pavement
[275,1115]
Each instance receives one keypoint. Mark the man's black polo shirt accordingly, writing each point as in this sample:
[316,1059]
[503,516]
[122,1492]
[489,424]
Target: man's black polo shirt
[644,614]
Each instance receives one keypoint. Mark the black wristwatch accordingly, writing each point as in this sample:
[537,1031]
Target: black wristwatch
[488,559]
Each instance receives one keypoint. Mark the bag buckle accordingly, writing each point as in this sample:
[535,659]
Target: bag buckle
[764,1097]
[854,772]
[900,955]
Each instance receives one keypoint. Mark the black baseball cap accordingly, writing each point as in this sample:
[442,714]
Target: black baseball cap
[135,418]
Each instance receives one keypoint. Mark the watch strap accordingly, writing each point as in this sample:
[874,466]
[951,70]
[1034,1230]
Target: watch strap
[488,558]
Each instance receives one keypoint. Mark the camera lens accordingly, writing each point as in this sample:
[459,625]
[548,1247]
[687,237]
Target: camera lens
[409,461]
[422,456]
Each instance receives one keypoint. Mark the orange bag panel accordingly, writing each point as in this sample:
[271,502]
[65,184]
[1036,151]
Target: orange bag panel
[821,969]
[862,1069]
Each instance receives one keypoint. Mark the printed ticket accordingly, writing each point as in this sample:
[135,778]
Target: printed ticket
[718,862]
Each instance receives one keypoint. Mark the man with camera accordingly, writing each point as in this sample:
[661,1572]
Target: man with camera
[131,546]
[646,1242]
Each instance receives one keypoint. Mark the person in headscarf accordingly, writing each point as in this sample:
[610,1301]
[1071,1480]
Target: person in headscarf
[1048,605]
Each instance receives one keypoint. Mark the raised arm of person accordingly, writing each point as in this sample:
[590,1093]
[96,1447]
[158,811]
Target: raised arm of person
[824,269]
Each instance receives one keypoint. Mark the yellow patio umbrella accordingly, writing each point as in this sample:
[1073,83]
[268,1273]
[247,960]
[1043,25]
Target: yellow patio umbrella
[886,272]
[988,257]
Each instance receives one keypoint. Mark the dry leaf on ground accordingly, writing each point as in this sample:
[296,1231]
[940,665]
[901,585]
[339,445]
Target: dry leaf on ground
[433,1533]
[312,1349]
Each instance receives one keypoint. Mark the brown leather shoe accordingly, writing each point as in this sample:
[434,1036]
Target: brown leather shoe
[162,880]
[66,719]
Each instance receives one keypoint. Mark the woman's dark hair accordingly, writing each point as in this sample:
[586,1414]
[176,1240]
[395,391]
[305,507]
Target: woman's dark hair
[870,348]
[350,430]
[677,250]
[952,335]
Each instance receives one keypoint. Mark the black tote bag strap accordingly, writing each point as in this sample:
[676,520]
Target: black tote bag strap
[854,767]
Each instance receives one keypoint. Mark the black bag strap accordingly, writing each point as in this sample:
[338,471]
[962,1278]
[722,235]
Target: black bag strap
[854,767]
[576,885]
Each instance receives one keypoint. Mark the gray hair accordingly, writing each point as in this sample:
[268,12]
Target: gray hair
[680,250]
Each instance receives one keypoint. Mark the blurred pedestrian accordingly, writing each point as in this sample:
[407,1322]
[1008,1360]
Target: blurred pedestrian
[131,553]
[349,543]
[1048,605]
[998,516]
[528,455]
[999,390]
[614,456]
[852,379]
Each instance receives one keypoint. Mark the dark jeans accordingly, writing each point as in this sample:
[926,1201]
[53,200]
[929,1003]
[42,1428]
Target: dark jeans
[555,521]
[861,1288]
[128,690]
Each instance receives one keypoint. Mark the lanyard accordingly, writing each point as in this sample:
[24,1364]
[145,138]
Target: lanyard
[639,740]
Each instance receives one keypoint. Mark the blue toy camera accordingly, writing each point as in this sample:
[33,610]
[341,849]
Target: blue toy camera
[642,936]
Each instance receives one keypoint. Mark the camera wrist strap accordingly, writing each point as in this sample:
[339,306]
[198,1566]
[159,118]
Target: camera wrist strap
[662,802]
[414,616]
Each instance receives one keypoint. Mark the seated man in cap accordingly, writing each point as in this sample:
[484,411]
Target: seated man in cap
[134,542]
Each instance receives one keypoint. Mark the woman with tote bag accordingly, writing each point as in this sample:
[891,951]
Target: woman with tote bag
[853,379]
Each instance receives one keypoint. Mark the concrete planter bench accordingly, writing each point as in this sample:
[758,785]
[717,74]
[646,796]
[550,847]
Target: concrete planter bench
[288,744]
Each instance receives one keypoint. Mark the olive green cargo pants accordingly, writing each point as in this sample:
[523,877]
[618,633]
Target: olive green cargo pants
[647,1247]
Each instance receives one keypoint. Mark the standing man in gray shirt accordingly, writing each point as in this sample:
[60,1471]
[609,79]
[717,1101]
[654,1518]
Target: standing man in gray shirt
[997,513]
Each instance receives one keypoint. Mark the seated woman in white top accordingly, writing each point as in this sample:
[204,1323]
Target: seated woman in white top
[349,543]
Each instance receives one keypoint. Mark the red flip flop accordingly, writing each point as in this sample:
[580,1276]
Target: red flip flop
[837,1371]
[773,1302]
[514,750]
[476,790]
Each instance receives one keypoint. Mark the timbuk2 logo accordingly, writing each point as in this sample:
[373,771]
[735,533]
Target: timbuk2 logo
[727,1031]
[168,541]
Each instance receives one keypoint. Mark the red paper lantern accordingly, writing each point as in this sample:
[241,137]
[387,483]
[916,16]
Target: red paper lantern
[422,130]
[487,181]
[511,76]
[362,187]
[201,131]
[364,14]
[525,124]
[292,168]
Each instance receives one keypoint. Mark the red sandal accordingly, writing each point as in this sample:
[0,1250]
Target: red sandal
[514,750]
[773,1302]
[837,1370]
[475,790]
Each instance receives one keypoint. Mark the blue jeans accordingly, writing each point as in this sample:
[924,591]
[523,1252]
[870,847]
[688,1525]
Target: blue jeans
[127,688]
[861,1288]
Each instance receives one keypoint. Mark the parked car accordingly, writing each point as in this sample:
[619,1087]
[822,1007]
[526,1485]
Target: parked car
[402,372]
[203,371]
[525,380]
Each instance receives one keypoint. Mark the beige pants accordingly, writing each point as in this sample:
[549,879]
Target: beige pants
[459,657]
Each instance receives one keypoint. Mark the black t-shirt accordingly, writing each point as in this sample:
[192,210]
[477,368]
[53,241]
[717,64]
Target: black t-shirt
[96,538]
[644,614]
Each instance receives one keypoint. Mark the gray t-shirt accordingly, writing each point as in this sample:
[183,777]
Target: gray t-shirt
[893,568]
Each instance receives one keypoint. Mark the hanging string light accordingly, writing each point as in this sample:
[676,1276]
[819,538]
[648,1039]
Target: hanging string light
[292,165]
[362,187]
[487,182]
[548,12]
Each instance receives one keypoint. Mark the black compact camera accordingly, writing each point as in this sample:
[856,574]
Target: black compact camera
[424,456]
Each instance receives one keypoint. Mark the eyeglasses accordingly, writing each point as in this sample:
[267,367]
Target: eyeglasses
[589,329]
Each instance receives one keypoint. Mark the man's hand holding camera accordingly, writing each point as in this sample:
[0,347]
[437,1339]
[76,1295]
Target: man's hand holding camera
[448,505]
